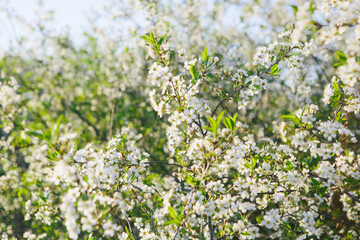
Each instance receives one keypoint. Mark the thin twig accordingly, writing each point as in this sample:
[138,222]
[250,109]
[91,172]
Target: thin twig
[317,60]
[211,230]
[341,106]
[177,232]
[352,196]
[200,77]
[130,228]
[171,164]
[111,121]
[199,125]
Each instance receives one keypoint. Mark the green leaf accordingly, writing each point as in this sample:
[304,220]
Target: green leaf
[295,8]
[174,215]
[303,110]
[161,40]
[172,212]
[43,197]
[233,125]
[253,162]
[85,178]
[205,55]
[35,134]
[208,129]
[287,225]
[337,64]
[171,222]
[322,190]
[315,182]
[289,165]
[334,103]
[83,196]
[227,123]
[148,39]
[312,7]
[308,161]
[152,37]
[336,86]
[350,180]
[274,68]
[190,180]
[219,118]
[57,125]
[259,219]
[193,72]
[291,118]
[51,156]
[214,124]
[123,140]
[235,116]
[338,116]
[39,184]
[341,56]
[203,192]
[129,233]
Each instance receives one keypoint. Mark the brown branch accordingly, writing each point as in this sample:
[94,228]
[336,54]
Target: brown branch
[346,192]
[171,164]
[211,230]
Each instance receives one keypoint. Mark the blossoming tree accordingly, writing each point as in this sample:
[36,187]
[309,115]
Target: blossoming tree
[190,128]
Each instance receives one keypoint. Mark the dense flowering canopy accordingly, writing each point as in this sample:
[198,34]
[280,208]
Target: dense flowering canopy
[189,127]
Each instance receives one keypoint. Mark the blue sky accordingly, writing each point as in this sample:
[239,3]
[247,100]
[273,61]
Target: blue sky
[71,13]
